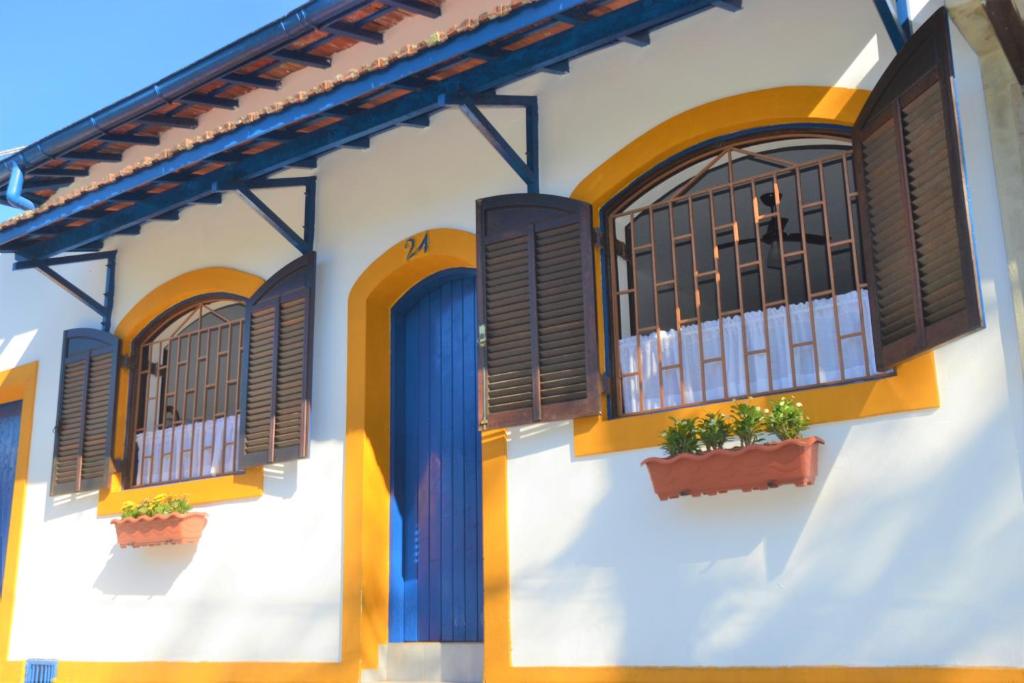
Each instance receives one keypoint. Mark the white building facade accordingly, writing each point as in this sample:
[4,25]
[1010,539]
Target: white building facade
[901,561]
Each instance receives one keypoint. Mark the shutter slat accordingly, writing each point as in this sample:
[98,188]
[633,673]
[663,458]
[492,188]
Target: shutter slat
[536,298]
[277,375]
[85,412]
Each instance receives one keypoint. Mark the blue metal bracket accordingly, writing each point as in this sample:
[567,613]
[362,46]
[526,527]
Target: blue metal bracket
[45,267]
[304,243]
[528,169]
[897,25]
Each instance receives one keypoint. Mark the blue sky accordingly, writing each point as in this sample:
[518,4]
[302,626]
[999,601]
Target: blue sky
[64,59]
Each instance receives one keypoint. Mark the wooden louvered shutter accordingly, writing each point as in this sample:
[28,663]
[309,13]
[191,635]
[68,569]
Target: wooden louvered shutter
[85,411]
[535,302]
[277,370]
[919,260]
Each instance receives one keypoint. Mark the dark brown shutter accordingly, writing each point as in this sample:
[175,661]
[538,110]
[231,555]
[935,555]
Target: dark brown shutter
[535,304]
[277,373]
[919,260]
[85,411]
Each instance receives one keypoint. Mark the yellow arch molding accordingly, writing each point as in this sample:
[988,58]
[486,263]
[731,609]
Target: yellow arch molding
[17,384]
[367,456]
[913,387]
[248,484]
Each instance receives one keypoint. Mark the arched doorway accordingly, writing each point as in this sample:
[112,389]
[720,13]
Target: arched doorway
[436,572]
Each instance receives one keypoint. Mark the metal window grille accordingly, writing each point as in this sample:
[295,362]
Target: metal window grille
[186,394]
[739,275]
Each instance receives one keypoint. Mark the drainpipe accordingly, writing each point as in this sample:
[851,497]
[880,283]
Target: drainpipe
[14,184]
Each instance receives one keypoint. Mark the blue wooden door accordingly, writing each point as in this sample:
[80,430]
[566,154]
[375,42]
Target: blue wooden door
[436,531]
[10,421]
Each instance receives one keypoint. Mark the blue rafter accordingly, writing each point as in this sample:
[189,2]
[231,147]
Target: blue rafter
[588,36]
[45,266]
[897,28]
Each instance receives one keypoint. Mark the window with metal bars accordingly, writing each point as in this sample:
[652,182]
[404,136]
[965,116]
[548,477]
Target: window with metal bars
[186,393]
[740,273]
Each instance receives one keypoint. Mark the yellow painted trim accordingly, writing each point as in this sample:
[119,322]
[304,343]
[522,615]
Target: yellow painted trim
[367,503]
[248,484]
[771,107]
[913,387]
[17,384]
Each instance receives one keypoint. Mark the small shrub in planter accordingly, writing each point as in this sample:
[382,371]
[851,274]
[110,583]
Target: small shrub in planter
[698,463]
[160,520]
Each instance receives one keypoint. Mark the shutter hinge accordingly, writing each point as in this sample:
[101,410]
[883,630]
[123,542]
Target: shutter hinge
[482,336]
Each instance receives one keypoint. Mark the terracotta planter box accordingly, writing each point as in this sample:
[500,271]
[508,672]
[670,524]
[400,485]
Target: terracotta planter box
[169,529]
[761,466]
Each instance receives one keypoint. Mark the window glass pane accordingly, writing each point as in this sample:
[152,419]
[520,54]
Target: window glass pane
[663,245]
[817,251]
[681,218]
[745,221]
[835,193]
[684,280]
[729,284]
[702,234]
[645,290]
[810,188]
[642,226]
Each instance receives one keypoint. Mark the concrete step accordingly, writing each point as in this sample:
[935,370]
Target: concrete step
[428,663]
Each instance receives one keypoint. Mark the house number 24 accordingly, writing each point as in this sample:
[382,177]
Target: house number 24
[417,245]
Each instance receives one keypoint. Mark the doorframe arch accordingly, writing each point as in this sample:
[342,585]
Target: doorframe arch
[367,474]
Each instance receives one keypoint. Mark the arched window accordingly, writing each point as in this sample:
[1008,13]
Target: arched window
[186,369]
[737,273]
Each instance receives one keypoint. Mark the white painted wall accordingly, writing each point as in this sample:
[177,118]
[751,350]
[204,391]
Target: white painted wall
[916,564]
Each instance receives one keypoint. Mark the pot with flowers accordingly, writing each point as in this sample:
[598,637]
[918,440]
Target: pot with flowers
[697,461]
[160,520]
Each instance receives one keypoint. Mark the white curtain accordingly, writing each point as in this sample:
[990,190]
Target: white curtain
[723,343]
[207,446]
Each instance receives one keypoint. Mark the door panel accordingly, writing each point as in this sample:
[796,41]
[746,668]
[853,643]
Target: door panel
[436,559]
[10,422]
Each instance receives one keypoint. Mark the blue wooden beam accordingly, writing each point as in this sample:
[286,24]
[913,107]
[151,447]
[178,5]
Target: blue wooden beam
[45,266]
[209,100]
[90,155]
[557,68]
[354,32]
[275,220]
[416,7]
[69,172]
[131,138]
[251,80]
[892,25]
[169,121]
[640,38]
[587,37]
[528,169]
[421,121]
[304,58]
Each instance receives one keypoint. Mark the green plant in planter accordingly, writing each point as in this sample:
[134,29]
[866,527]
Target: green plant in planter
[681,437]
[160,504]
[714,430]
[785,418]
[747,423]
